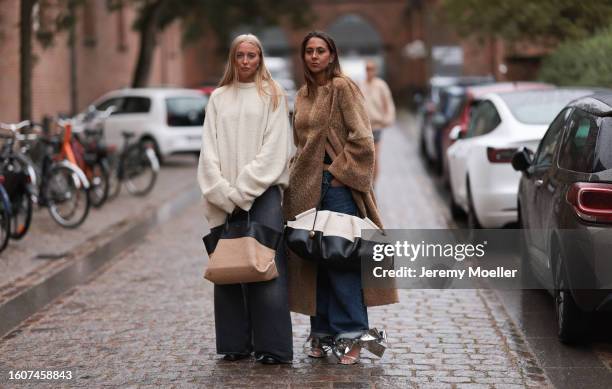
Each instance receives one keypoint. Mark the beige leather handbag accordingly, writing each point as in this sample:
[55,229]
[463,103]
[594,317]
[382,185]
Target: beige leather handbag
[241,251]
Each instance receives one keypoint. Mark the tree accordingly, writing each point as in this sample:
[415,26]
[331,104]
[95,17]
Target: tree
[198,15]
[544,20]
[585,62]
[25,59]
[65,19]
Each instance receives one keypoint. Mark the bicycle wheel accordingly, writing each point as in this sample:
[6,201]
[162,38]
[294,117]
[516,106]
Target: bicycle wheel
[22,215]
[5,219]
[67,197]
[139,170]
[98,193]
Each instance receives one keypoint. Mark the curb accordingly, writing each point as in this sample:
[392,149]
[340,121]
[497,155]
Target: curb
[25,304]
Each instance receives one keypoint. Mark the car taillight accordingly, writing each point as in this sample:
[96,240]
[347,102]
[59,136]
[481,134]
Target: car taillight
[1,179]
[500,155]
[591,201]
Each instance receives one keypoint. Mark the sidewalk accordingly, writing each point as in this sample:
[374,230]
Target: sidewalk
[21,265]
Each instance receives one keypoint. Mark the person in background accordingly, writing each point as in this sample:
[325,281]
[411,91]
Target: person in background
[379,105]
[244,161]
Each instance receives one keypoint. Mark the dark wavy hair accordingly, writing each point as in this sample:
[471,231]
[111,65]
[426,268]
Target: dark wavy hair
[333,70]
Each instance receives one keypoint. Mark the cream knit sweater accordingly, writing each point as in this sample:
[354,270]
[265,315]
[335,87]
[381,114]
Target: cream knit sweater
[379,103]
[246,147]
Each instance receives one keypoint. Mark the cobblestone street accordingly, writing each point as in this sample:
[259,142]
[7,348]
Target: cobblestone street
[147,319]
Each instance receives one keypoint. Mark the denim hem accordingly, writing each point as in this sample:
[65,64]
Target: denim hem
[351,334]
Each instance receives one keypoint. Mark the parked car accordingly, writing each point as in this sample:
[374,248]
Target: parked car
[565,196]
[445,98]
[170,118]
[482,181]
[473,95]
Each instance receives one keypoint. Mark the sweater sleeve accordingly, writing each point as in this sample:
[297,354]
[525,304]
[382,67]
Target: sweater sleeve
[215,188]
[354,166]
[270,162]
[389,117]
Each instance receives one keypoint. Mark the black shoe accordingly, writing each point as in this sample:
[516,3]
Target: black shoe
[235,357]
[267,359]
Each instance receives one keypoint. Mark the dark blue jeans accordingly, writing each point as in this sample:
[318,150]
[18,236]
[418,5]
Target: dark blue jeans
[341,311]
[255,316]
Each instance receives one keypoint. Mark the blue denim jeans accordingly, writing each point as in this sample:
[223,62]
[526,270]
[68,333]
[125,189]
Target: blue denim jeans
[341,311]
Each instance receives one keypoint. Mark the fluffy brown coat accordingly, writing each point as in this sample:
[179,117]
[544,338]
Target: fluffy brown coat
[333,120]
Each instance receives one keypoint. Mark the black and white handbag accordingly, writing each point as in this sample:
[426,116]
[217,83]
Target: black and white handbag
[329,238]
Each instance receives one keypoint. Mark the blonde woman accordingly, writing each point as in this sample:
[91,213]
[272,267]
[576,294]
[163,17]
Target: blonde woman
[246,148]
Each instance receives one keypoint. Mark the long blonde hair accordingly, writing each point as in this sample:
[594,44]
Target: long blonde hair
[263,78]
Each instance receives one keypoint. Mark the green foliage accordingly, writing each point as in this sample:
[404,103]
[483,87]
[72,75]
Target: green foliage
[220,17]
[549,20]
[586,62]
[64,21]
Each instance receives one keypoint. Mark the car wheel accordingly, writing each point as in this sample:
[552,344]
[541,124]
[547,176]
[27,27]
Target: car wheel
[572,322]
[148,141]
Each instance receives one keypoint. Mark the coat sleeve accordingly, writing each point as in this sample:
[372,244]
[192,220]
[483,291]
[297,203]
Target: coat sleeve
[389,117]
[215,188]
[354,166]
[271,161]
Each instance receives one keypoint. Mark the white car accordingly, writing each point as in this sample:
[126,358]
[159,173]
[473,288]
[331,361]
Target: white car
[170,118]
[483,183]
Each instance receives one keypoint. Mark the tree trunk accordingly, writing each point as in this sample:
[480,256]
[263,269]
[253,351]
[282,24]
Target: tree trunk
[25,59]
[148,39]
[74,86]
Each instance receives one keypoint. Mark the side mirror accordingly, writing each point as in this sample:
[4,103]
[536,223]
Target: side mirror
[110,110]
[455,133]
[522,159]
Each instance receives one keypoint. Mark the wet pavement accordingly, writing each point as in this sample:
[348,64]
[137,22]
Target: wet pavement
[47,247]
[147,318]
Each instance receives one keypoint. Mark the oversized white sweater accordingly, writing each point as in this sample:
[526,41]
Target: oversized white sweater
[246,147]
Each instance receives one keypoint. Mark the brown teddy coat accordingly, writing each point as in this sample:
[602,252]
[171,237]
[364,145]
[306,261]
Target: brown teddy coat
[333,120]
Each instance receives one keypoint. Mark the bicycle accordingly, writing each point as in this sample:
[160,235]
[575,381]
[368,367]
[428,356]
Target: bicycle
[17,179]
[91,154]
[136,165]
[5,216]
[61,185]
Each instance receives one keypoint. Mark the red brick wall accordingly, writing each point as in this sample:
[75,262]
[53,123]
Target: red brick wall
[9,60]
[102,63]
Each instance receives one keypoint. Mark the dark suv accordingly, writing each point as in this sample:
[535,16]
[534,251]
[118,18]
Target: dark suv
[565,208]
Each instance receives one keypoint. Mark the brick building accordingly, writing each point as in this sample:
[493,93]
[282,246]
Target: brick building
[106,51]
[409,36]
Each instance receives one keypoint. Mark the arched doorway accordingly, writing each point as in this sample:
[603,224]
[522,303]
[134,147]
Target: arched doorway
[357,41]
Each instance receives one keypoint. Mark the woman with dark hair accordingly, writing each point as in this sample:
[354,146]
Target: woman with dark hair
[335,156]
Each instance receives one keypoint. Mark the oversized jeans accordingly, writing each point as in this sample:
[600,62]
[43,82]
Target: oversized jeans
[341,311]
[255,316]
